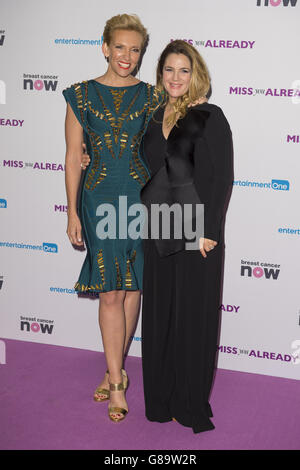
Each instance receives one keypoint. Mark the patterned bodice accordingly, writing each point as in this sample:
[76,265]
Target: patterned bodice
[114,120]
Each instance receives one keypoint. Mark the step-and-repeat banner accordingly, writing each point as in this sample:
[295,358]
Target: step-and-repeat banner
[251,48]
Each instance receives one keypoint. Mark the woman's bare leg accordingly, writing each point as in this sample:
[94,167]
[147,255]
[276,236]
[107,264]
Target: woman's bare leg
[131,308]
[113,327]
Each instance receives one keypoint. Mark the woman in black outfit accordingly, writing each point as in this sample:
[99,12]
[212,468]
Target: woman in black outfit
[189,153]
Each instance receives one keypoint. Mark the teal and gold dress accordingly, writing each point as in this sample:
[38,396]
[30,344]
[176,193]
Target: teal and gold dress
[114,120]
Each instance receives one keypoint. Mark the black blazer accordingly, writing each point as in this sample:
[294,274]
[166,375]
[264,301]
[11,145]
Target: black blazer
[198,170]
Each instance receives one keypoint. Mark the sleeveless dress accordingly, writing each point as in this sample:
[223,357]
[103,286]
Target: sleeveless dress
[114,120]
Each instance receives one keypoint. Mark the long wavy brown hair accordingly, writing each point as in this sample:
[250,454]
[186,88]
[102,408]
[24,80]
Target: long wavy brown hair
[200,79]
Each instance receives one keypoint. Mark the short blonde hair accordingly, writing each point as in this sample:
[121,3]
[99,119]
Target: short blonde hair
[125,22]
[200,79]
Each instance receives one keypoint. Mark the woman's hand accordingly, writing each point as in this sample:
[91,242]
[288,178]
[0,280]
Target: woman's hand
[74,229]
[85,159]
[200,100]
[205,244]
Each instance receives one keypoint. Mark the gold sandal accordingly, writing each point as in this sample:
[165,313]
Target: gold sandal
[116,409]
[104,391]
[125,379]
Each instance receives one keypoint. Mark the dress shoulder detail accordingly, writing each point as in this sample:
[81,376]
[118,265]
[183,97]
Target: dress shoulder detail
[76,95]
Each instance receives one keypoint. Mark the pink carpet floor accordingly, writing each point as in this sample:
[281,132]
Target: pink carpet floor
[46,403]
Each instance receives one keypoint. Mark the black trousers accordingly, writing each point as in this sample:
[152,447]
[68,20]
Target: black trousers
[180,321]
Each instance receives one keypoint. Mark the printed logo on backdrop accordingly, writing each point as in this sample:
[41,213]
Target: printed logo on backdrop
[79,42]
[2,92]
[34,165]
[1,282]
[289,231]
[293,92]
[220,43]
[276,3]
[68,290]
[3,203]
[62,290]
[11,122]
[60,208]
[37,82]
[260,354]
[259,270]
[45,247]
[190,41]
[277,185]
[2,36]
[135,338]
[293,138]
[36,325]
[229,308]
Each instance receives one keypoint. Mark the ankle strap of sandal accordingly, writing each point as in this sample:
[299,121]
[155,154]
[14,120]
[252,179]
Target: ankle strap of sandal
[116,387]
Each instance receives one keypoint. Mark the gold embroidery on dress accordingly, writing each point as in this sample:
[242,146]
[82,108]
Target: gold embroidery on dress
[136,114]
[116,123]
[100,287]
[134,174]
[83,288]
[139,172]
[118,98]
[158,98]
[133,256]
[108,142]
[96,175]
[128,277]
[136,140]
[101,175]
[119,279]
[95,111]
[100,262]
[81,104]
[129,263]
[123,142]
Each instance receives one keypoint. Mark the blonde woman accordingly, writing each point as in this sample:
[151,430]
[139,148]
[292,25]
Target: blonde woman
[189,154]
[110,114]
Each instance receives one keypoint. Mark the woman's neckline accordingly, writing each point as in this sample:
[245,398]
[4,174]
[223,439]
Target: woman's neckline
[112,86]
[162,123]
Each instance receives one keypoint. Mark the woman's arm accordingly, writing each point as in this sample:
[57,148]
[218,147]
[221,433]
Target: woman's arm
[74,140]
